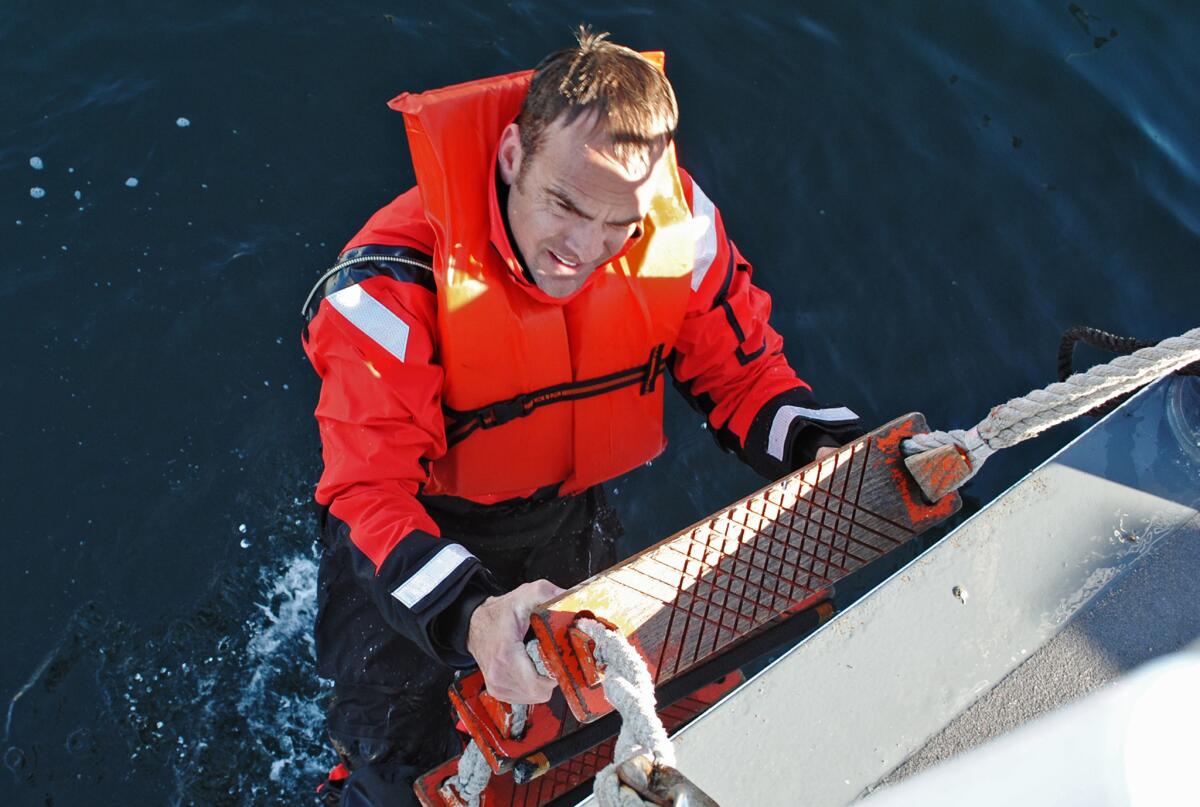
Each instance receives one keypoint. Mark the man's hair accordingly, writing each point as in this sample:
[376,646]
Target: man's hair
[635,102]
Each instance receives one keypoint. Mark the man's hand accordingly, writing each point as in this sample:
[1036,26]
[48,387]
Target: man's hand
[496,639]
[825,451]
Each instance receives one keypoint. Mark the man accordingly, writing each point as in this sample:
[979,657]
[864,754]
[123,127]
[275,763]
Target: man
[491,347]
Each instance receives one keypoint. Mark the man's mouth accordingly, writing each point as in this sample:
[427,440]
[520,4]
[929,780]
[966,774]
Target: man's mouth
[561,261]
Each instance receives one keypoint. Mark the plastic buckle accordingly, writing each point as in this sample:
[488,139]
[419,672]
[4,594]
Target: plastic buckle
[503,412]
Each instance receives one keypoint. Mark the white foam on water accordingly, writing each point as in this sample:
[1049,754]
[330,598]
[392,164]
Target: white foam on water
[78,195]
[290,620]
[229,703]
[37,193]
[275,654]
[132,182]
[182,123]
[36,163]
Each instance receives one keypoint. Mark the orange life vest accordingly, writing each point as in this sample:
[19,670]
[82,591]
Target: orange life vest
[539,393]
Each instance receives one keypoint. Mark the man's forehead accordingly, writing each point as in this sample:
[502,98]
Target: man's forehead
[586,142]
[592,179]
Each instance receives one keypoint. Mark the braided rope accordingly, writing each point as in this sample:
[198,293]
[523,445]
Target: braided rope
[473,775]
[627,686]
[630,689]
[1030,415]
[1022,418]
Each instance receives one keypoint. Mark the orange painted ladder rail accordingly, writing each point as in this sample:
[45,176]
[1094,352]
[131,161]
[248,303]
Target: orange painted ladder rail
[694,606]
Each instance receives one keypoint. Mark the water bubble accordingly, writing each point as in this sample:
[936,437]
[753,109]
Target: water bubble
[36,163]
[244,544]
[78,195]
[36,192]
[79,741]
[182,123]
[132,182]
[15,760]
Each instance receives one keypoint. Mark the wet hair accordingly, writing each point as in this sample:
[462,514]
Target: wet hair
[634,100]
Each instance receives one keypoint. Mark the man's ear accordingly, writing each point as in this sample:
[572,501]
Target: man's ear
[510,155]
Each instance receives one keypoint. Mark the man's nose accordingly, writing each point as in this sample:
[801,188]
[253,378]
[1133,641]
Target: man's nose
[587,242]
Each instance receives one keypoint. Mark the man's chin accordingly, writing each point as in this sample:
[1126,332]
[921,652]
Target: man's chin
[560,285]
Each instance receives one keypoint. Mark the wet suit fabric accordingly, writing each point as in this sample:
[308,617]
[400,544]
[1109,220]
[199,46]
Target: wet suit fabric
[390,719]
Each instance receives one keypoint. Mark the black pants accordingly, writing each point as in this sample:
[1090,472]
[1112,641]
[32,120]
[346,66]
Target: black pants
[390,719]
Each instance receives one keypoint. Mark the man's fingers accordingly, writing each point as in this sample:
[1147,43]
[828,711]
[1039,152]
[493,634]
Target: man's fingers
[536,692]
[496,640]
[516,680]
[545,589]
[528,596]
[531,595]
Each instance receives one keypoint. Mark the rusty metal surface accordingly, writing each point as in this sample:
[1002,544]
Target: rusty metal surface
[555,782]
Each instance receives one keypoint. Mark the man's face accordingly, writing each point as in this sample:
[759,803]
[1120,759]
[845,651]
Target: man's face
[572,205]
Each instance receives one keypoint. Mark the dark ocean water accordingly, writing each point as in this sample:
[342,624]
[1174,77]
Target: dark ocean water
[932,192]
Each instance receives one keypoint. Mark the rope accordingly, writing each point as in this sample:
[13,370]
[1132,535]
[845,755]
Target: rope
[628,687]
[1103,340]
[1111,342]
[1030,415]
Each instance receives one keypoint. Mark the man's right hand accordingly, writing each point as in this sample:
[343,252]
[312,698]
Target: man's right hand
[496,638]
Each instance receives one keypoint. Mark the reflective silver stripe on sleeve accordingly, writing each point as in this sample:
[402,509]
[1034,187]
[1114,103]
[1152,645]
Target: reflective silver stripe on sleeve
[372,318]
[428,577]
[704,219]
[786,414]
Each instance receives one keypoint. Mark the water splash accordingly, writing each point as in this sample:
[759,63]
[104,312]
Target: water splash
[227,701]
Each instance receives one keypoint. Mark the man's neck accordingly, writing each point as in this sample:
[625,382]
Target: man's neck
[502,201]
